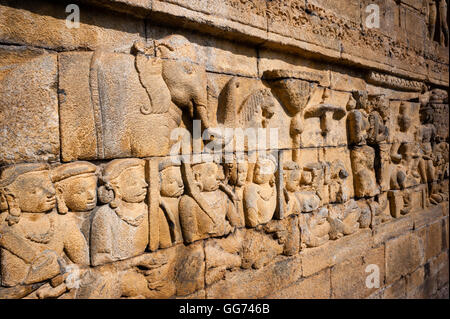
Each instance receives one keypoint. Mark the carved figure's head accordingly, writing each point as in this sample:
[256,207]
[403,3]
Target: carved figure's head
[264,171]
[291,175]
[206,176]
[27,188]
[171,180]
[76,186]
[124,180]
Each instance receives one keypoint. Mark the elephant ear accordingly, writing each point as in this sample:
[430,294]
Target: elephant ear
[149,70]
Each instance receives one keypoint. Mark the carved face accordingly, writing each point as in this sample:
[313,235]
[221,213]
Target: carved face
[404,120]
[206,175]
[80,193]
[238,173]
[132,185]
[34,192]
[264,170]
[306,178]
[171,182]
[292,180]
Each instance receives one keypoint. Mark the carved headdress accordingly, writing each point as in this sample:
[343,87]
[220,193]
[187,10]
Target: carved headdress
[111,171]
[8,176]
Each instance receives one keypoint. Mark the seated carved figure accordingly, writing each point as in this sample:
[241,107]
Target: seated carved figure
[120,228]
[339,191]
[363,161]
[313,221]
[260,196]
[315,228]
[291,177]
[211,212]
[344,219]
[171,190]
[439,189]
[76,192]
[36,242]
[357,126]
[426,134]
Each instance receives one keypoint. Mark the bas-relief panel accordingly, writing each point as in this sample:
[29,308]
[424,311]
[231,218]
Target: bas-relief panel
[120,210]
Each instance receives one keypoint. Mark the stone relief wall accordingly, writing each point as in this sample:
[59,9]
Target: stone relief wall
[93,204]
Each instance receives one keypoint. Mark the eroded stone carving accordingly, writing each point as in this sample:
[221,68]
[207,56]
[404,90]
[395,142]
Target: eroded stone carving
[129,96]
[211,212]
[120,227]
[260,194]
[166,228]
[76,192]
[37,243]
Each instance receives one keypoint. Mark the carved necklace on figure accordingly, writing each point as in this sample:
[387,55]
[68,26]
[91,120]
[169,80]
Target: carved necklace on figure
[261,193]
[43,238]
[135,222]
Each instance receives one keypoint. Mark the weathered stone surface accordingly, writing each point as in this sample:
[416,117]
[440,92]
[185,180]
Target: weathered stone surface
[426,217]
[392,229]
[28,95]
[314,287]
[434,240]
[218,56]
[43,24]
[241,284]
[224,149]
[349,278]
[334,252]
[395,291]
[403,255]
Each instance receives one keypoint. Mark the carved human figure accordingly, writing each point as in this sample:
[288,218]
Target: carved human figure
[237,173]
[291,178]
[308,193]
[76,192]
[364,181]
[443,38]
[172,189]
[315,228]
[211,213]
[400,151]
[339,191]
[426,134]
[439,189]
[357,121]
[36,242]
[120,228]
[432,18]
[344,219]
[316,178]
[260,196]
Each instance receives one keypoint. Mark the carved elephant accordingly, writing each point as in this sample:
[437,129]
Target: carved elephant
[126,105]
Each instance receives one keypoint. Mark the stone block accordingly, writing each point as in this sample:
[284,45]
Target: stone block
[314,287]
[28,105]
[217,55]
[426,216]
[414,282]
[251,283]
[333,252]
[403,255]
[391,229]
[274,60]
[43,24]
[349,279]
[397,290]
[345,81]
[434,240]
